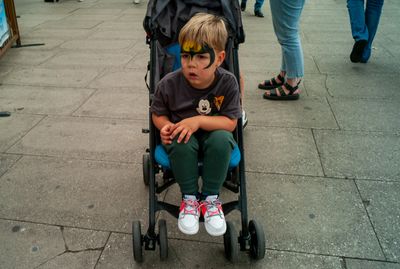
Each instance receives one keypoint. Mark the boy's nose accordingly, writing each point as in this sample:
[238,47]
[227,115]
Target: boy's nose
[191,61]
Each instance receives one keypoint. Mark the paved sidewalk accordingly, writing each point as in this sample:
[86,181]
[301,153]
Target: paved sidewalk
[323,172]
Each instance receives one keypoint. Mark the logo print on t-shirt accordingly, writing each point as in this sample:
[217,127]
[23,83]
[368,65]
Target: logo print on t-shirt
[218,101]
[203,107]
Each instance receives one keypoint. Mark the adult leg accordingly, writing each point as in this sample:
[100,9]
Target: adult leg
[217,148]
[257,8]
[184,164]
[359,29]
[286,19]
[372,16]
[243,5]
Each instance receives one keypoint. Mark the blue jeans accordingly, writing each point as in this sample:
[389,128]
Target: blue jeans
[286,19]
[364,22]
[257,5]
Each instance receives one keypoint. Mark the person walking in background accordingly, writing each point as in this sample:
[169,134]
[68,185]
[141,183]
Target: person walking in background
[364,23]
[286,20]
[257,7]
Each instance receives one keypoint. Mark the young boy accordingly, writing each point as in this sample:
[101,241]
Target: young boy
[196,109]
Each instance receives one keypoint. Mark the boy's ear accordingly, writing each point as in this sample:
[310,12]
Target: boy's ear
[220,57]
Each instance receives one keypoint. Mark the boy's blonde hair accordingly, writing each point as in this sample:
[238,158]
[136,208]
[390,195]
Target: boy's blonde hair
[203,29]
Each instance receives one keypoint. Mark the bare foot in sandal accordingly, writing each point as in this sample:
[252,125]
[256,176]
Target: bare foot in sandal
[288,91]
[273,82]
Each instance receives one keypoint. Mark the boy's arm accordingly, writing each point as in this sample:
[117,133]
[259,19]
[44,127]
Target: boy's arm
[187,127]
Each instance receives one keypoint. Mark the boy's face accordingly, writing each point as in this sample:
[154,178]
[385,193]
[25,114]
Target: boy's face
[199,64]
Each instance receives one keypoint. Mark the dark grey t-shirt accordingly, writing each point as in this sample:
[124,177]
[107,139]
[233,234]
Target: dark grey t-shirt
[178,100]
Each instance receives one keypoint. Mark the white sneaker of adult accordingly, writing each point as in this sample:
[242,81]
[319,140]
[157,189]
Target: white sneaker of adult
[136,1]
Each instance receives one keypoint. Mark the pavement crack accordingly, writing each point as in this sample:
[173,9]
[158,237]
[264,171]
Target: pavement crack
[63,236]
[318,152]
[366,203]
[102,250]
[343,263]
[326,86]
[333,113]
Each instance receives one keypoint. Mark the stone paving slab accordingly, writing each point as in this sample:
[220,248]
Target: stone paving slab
[366,114]
[273,64]
[295,146]
[342,65]
[96,60]
[80,240]
[73,23]
[130,105]
[6,161]
[363,264]
[49,43]
[339,221]
[359,155]
[69,260]
[65,34]
[27,245]
[89,44]
[116,35]
[96,139]
[139,62]
[187,254]
[305,113]
[14,128]
[126,26]
[318,224]
[356,86]
[97,11]
[315,85]
[383,206]
[42,100]
[312,215]
[96,16]
[74,193]
[60,77]
[128,78]
[27,57]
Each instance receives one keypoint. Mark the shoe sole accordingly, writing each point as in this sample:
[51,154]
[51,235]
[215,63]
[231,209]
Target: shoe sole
[282,98]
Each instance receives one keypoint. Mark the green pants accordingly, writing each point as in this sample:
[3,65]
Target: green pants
[214,148]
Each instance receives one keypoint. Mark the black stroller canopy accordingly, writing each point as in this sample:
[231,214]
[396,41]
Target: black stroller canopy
[167,17]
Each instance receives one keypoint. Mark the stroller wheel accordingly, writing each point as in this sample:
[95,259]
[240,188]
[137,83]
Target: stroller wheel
[163,239]
[146,169]
[231,242]
[137,241]
[257,244]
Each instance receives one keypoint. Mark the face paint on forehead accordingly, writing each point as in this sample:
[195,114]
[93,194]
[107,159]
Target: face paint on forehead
[193,48]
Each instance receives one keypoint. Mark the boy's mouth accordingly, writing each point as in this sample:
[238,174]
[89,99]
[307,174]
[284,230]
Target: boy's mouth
[192,75]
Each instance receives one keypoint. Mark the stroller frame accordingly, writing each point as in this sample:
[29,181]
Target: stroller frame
[251,237]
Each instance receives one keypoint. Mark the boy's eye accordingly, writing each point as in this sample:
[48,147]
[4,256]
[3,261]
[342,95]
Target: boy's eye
[202,56]
[184,56]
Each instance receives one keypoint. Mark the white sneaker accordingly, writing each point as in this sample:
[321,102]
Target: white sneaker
[189,213]
[244,119]
[214,219]
[136,1]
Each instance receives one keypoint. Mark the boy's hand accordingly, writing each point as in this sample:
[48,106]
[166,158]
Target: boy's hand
[165,133]
[185,129]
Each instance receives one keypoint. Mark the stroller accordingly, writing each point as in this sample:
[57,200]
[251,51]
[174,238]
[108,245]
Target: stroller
[162,23]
